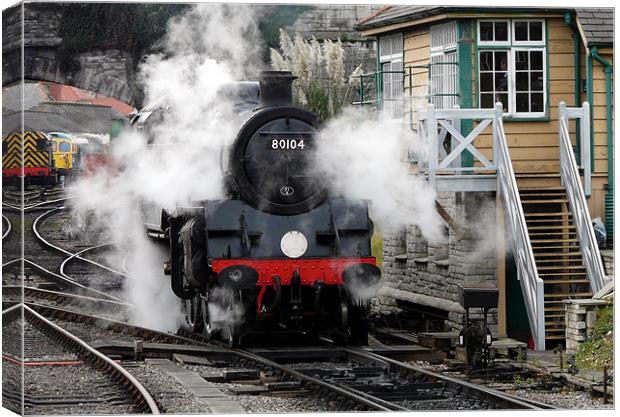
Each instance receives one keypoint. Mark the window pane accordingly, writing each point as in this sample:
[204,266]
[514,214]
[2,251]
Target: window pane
[486,82]
[504,99]
[536,31]
[501,61]
[521,61]
[536,81]
[523,102]
[64,147]
[536,60]
[501,31]
[537,103]
[501,81]
[486,61]
[523,81]
[486,31]
[520,31]
[486,101]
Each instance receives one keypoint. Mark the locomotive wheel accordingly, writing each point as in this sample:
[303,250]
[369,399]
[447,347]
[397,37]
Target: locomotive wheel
[193,314]
[225,324]
[358,324]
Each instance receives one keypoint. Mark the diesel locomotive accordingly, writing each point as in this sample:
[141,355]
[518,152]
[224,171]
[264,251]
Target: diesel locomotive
[281,254]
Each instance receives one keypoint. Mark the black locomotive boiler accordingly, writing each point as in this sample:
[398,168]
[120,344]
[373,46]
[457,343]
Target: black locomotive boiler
[280,254]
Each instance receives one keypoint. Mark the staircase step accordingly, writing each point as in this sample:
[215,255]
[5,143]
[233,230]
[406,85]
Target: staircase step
[548,221]
[564,247]
[558,233]
[549,201]
[555,330]
[567,296]
[551,268]
[554,240]
[543,214]
[573,254]
[565,281]
[562,274]
[557,337]
[541,188]
[560,227]
[554,316]
[564,262]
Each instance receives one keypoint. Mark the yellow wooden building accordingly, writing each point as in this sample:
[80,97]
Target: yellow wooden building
[530,60]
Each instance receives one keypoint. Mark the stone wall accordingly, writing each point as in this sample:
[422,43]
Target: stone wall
[580,319]
[338,22]
[433,274]
[105,70]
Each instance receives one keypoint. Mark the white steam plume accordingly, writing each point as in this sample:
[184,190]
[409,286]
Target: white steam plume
[362,158]
[204,48]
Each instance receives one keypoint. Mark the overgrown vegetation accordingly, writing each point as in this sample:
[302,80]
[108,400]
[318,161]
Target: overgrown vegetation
[321,86]
[599,350]
[376,246]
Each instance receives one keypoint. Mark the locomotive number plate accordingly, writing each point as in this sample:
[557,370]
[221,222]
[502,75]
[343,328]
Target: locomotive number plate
[287,144]
[294,244]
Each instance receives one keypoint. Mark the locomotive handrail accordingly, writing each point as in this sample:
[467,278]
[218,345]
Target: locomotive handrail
[575,191]
[532,286]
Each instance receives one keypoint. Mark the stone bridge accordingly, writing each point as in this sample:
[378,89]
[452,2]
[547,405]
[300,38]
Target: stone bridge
[105,69]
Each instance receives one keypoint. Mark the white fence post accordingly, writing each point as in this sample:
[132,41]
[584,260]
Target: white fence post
[499,114]
[585,149]
[433,157]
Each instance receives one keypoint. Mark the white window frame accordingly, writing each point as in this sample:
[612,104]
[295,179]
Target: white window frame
[512,47]
[512,97]
[493,42]
[446,71]
[528,43]
[388,96]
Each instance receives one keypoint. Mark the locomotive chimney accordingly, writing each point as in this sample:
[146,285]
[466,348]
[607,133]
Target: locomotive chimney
[276,88]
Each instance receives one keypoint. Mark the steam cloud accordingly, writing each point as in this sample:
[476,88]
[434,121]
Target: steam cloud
[362,158]
[208,46]
[199,54]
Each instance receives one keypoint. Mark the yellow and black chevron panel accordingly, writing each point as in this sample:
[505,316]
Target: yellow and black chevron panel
[35,150]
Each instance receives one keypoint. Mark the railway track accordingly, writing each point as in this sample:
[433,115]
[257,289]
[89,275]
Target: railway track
[6,227]
[63,374]
[13,294]
[23,272]
[389,385]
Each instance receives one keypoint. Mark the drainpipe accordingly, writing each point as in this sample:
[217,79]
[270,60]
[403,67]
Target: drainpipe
[609,198]
[568,20]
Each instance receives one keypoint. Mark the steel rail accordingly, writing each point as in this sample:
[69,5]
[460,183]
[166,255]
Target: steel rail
[145,333]
[359,397]
[66,281]
[20,293]
[6,232]
[35,226]
[96,359]
[480,392]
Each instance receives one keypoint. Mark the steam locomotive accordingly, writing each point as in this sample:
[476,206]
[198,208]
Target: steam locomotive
[280,253]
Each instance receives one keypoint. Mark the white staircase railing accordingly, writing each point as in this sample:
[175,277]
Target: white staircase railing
[532,286]
[576,194]
[434,126]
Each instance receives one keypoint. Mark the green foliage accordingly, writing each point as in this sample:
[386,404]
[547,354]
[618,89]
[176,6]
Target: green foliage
[377,246]
[599,351]
[521,382]
[130,26]
[321,85]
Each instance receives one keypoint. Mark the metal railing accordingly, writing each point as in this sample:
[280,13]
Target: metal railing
[575,191]
[434,126]
[532,286]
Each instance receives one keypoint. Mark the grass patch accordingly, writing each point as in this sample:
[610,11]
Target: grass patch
[599,351]
[376,246]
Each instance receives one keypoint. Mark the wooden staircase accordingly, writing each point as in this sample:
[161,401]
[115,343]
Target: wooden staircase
[557,254]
